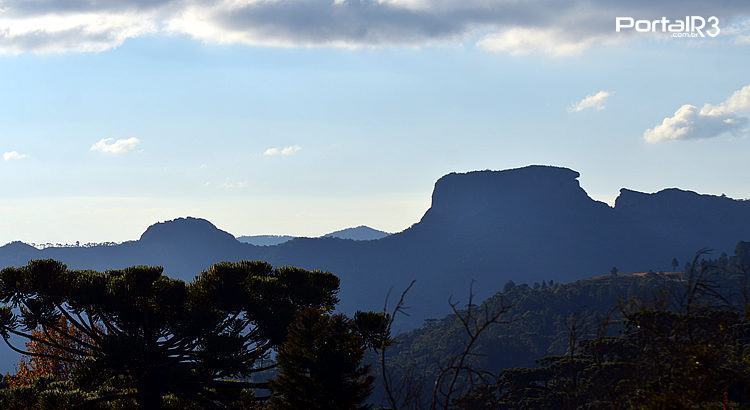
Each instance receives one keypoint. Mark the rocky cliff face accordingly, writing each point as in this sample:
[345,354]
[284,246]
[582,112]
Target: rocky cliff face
[455,192]
[687,219]
[529,195]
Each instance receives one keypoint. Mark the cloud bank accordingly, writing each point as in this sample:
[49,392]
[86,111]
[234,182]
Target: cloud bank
[594,101]
[112,146]
[551,27]
[690,122]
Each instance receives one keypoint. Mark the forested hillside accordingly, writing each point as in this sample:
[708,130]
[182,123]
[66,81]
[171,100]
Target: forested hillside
[541,323]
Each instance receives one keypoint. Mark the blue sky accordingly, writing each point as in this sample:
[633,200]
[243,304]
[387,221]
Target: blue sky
[293,132]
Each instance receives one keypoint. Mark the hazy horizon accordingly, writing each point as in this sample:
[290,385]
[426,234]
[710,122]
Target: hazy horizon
[322,229]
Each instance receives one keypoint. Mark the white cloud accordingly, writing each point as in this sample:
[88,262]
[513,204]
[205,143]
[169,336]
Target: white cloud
[13,156]
[739,32]
[234,184]
[525,41]
[112,146]
[739,101]
[71,32]
[594,101]
[690,122]
[285,151]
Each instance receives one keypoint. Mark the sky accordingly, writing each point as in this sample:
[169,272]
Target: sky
[304,117]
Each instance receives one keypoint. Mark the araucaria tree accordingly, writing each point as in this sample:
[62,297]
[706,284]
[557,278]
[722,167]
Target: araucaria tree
[138,336]
[320,363]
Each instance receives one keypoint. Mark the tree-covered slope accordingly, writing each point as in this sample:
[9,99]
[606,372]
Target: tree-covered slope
[543,319]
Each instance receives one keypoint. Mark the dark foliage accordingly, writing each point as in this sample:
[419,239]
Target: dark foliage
[536,325]
[141,337]
[320,362]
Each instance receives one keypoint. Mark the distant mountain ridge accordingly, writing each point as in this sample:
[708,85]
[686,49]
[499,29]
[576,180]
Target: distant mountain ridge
[523,224]
[186,229]
[359,233]
[265,240]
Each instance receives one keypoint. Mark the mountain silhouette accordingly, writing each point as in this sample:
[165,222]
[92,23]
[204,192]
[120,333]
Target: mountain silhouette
[185,231]
[265,240]
[359,233]
[523,224]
